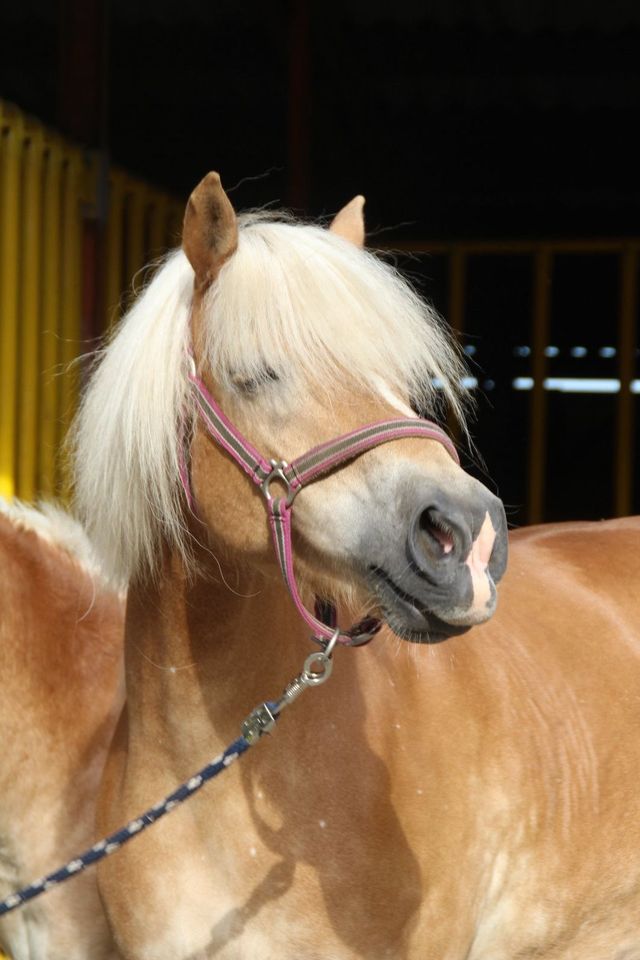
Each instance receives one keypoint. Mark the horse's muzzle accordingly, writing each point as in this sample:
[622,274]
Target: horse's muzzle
[455,553]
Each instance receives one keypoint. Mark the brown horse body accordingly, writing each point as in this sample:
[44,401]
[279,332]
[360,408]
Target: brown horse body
[60,694]
[470,799]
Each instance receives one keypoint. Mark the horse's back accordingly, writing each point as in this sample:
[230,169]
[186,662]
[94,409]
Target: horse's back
[565,676]
[582,543]
[571,602]
[60,681]
[577,577]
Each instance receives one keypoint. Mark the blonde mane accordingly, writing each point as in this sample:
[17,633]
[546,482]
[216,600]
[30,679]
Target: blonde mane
[293,298]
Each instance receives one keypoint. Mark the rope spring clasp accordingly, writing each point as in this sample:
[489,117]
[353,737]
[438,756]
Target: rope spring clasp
[316,670]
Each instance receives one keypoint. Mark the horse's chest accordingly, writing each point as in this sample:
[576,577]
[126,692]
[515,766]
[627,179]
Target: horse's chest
[556,925]
[308,888]
[280,911]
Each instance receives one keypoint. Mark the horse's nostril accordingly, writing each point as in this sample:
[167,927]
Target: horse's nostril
[434,528]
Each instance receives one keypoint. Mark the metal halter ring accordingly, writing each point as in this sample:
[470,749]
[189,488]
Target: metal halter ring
[278,468]
[323,659]
[313,678]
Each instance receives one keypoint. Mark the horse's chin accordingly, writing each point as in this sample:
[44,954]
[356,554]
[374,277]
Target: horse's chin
[404,615]
[410,620]
[421,627]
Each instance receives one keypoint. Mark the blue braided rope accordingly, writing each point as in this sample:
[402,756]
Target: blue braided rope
[118,839]
[259,722]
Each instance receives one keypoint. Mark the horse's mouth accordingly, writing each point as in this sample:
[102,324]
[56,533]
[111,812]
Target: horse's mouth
[406,615]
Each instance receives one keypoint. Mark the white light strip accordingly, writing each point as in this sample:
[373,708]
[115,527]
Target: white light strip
[582,384]
[469,383]
[523,383]
[576,384]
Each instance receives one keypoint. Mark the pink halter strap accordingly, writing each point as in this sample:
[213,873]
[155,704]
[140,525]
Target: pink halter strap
[297,474]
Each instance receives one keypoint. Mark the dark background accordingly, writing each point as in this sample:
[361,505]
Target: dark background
[457,119]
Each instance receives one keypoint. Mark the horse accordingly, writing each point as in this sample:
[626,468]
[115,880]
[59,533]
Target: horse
[462,787]
[61,691]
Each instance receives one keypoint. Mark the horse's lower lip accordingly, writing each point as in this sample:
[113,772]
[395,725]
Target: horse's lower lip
[406,615]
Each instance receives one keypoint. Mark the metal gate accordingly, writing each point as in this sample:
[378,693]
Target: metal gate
[52,193]
[545,362]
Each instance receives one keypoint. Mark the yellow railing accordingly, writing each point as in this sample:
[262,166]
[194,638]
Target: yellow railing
[51,192]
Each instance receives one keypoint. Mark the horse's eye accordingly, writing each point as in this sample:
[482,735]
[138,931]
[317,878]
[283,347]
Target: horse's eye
[251,385]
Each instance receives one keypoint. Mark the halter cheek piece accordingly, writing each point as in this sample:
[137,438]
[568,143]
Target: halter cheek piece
[296,475]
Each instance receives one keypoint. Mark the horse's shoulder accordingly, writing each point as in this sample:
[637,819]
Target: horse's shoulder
[584,534]
[603,554]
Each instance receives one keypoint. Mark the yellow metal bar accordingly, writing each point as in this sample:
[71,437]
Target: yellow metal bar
[158,211]
[115,283]
[174,225]
[457,290]
[71,303]
[51,316]
[135,240]
[528,247]
[538,410]
[11,145]
[89,184]
[457,285]
[31,296]
[623,478]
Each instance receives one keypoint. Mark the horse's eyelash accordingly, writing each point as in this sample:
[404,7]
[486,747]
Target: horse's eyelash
[252,384]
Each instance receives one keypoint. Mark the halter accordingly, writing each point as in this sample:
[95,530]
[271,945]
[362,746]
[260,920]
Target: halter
[298,474]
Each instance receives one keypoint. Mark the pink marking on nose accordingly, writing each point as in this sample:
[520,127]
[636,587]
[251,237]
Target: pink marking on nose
[477,561]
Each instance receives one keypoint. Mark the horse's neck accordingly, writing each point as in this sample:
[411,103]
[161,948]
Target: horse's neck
[201,651]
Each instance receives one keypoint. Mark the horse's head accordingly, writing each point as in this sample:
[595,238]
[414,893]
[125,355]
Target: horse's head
[301,336]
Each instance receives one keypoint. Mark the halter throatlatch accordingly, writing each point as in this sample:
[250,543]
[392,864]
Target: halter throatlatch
[297,474]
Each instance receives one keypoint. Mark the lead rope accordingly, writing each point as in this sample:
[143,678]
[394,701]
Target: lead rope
[316,670]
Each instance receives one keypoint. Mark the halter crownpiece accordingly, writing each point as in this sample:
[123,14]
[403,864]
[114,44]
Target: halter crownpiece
[297,474]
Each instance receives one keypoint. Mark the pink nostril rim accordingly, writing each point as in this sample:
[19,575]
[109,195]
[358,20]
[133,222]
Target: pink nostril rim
[444,539]
[431,525]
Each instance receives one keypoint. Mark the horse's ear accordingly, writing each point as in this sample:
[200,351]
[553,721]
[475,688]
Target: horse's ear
[210,230]
[349,222]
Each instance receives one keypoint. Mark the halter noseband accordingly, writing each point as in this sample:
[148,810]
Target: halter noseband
[298,474]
